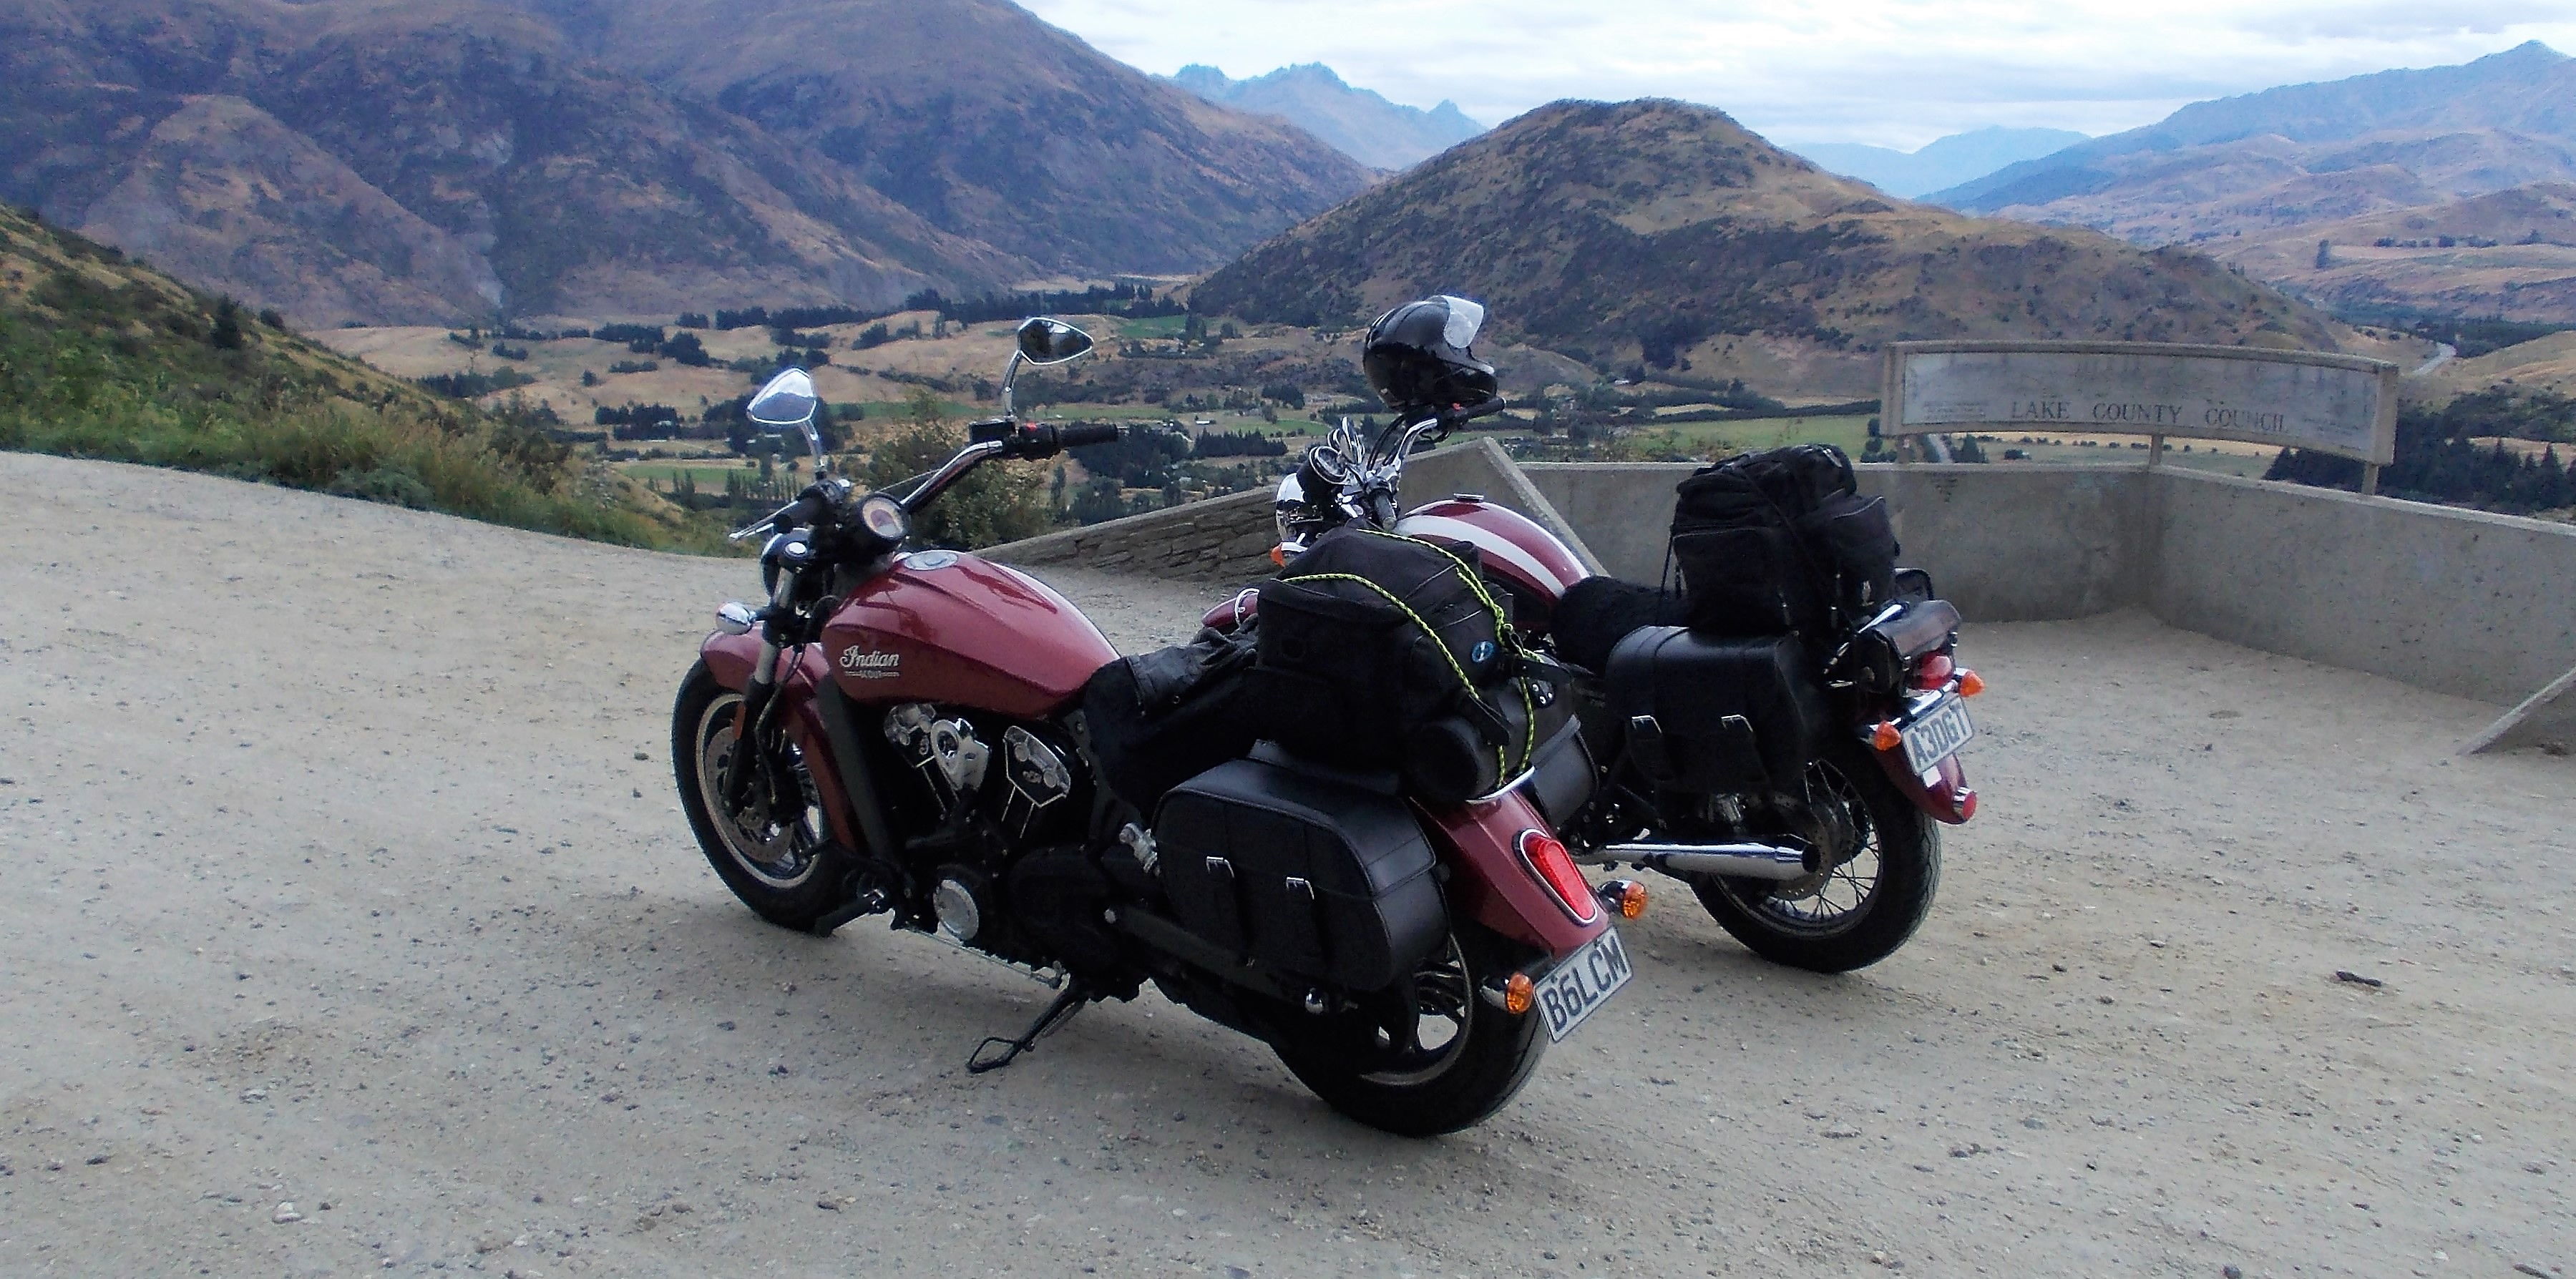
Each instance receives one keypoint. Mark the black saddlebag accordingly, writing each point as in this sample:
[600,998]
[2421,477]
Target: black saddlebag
[1316,876]
[1709,714]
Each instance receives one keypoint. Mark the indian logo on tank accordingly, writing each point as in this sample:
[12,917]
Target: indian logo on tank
[858,663]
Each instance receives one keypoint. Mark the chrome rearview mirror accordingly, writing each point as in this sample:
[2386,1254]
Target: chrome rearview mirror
[1042,341]
[788,403]
[1048,341]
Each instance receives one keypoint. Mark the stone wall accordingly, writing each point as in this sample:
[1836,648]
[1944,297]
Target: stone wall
[1223,539]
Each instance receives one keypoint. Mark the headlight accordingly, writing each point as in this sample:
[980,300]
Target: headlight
[884,517]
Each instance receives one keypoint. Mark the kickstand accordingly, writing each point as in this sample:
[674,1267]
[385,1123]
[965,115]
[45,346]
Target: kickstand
[1070,1000]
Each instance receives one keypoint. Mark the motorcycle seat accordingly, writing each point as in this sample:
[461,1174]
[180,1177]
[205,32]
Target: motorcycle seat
[1598,612]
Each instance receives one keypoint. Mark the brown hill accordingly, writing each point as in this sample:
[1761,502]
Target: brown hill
[378,160]
[1664,232]
[984,120]
[444,161]
[2509,254]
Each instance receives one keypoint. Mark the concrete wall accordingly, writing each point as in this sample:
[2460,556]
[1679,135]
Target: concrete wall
[2456,601]
[2461,602]
[2004,543]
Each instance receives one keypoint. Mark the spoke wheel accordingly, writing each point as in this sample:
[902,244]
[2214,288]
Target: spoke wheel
[1882,866]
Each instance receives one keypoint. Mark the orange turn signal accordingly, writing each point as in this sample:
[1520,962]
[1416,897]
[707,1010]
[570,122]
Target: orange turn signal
[1970,685]
[1519,994]
[1886,737]
[1279,556]
[1632,899]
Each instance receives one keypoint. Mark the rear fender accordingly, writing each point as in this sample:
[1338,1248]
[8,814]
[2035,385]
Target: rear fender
[1488,883]
[1947,797]
[730,658]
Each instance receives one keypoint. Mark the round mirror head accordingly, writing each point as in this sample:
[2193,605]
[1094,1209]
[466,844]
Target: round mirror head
[1049,341]
[787,402]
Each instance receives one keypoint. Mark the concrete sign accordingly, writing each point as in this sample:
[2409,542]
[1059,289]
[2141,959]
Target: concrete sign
[2340,404]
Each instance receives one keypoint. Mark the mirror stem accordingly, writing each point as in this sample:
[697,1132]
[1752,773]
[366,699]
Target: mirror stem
[1010,374]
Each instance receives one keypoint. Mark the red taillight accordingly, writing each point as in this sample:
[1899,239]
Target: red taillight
[1935,671]
[1546,858]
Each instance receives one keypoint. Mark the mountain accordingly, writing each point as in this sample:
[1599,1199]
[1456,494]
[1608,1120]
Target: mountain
[1665,232]
[2508,254]
[2258,180]
[985,121]
[2520,102]
[1943,162]
[1359,122]
[447,161]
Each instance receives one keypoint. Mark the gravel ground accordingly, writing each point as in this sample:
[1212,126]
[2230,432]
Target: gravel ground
[350,925]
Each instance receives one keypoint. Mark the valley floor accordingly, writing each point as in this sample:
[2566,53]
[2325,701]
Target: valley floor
[343,871]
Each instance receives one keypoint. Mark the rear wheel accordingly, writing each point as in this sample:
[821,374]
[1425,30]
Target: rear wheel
[1883,864]
[777,857]
[1470,1058]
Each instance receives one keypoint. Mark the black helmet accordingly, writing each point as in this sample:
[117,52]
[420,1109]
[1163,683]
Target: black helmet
[1416,356]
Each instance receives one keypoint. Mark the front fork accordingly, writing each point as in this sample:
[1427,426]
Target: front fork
[759,698]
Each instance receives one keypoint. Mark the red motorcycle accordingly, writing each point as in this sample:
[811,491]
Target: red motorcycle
[900,732]
[1798,792]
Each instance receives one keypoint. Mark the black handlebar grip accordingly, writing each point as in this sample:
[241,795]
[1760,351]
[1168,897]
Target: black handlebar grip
[1087,433]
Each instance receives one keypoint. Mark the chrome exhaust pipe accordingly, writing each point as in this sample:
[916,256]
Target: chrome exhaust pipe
[1735,861]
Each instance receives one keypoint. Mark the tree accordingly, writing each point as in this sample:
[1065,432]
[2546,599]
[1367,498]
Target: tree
[2325,254]
[227,334]
[996,502]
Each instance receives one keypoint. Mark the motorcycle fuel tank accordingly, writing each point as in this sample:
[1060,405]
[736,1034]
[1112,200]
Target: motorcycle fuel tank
[944,626]
[1512,545]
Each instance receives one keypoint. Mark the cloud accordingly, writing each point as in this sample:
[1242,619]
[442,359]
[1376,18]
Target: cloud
[1894,72]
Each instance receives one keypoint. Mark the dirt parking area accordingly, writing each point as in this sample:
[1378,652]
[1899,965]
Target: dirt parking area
[350,925]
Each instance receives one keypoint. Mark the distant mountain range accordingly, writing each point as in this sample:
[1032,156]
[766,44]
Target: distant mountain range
[1664,233]
[2244,176]
[1360,122]
[449,161]
[1944,162]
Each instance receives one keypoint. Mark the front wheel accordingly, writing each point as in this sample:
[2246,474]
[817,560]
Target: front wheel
[771,846]
[1469,1057]
[1874,892]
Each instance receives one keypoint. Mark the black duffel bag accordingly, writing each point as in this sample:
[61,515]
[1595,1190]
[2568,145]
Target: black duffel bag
[1380,651]
[1781,542]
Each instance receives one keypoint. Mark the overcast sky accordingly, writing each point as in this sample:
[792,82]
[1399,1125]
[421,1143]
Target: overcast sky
[1892,72]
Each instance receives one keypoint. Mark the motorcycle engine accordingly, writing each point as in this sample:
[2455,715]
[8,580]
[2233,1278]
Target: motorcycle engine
[946,752]
[952,759]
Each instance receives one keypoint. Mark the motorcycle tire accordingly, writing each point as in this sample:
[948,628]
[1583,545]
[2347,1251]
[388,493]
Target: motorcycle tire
[1474,1074]
[790,872]
[1907,844]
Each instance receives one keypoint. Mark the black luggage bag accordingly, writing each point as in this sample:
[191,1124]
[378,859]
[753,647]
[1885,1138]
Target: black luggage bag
[1781,542]
[1314,875]
[1379,651]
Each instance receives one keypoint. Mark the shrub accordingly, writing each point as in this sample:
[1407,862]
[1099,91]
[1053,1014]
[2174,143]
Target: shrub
[996,502]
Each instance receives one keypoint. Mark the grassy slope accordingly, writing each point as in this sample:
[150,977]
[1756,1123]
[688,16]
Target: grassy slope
[103,357]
